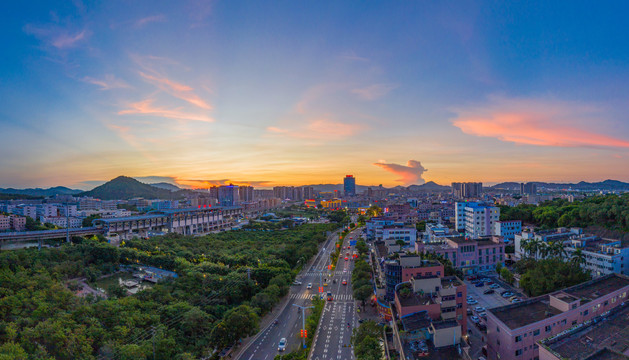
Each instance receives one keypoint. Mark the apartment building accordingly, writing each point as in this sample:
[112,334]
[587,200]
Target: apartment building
[62,221]
[5,223]
[602,256]
[480,220]
[545,236]
[467,189]
[437,233]
[376,225]
[18,223]
[406,267]
[408,234]
[508,229]
[470,256]
[513,331]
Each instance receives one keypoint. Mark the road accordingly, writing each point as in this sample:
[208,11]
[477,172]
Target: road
[332,340]
[264,346]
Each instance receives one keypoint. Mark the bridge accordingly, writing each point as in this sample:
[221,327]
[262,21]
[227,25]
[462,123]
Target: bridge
[192,221]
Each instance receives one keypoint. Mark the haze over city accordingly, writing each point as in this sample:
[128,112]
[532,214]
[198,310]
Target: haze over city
[290,93]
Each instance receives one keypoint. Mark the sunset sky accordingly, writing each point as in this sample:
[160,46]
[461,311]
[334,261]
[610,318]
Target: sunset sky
[295,92]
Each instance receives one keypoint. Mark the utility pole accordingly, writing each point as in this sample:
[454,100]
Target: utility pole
[67,223]
[303,322]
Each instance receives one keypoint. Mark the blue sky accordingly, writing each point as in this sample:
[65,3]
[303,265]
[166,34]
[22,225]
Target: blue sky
[294,92]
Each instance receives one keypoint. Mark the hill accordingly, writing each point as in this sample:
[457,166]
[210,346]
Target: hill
[429,186]
[608,185]
[166,186]
[124,188]
[61,190]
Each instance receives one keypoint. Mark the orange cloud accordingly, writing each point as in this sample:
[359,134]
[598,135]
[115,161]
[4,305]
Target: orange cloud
[534,122]
[146,107]
[411,174]
[108,83]
[177,90]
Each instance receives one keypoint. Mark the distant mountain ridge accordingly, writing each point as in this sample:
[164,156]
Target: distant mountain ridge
[608,184]
[166,186]
[125,188]
[429,186]
[57,190]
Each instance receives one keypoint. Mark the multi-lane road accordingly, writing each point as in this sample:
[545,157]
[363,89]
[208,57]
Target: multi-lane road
[338,319]
[289,322]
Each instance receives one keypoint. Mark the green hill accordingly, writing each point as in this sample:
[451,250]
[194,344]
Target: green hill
[124,188]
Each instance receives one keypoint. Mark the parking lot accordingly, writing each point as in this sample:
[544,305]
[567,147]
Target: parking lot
[486,301]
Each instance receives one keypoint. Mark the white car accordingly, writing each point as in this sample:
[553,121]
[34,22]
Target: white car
[296,282]
[474,319]
[309,286]
[282,345]
[470,297]
[472,302]
[479,309]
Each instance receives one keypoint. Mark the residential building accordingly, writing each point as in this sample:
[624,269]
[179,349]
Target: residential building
[528,188]
[18,223]
[607,339]
[480,219]
[5,222]
[349,185]
[470,256]
[406,267]
[228,195]
[375,226]
[62,221]
[545,236]
[245,193]
[513,331]
[408,234]
[26,210]
[87,203]
[508,229]
[47,210]
[601,256]
[467,190]
[437,233]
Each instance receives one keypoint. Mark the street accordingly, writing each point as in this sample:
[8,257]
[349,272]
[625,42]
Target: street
[333,337]
[264,346]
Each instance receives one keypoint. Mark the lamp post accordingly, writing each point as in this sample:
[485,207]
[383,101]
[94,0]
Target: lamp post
[303,322]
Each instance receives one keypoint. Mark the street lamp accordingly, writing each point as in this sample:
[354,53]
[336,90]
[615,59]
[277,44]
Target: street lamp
[303,323]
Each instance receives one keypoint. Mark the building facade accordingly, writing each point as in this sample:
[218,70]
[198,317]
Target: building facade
[508,229]
[480,220]
[349,185]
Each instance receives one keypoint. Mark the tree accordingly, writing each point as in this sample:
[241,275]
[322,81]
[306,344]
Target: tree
[366,340]
[506,275]
[578,258]
[374,210]
[498,268]
[363,293]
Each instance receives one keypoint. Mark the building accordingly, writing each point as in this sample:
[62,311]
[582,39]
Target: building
[607,339]
[470,256]
[245,193]
[87,203]
[331,204]
[375,226]
[5,223]
[349,185]
[437,233]
[48,210]
[406,267]
[228,195]
[62,221]
[408,234]
[442,298]
[601,256]
[480,219]
[508,229]
[513,331]
[26,210]
[544,236]
[18,223]
[467,190]
[528,188]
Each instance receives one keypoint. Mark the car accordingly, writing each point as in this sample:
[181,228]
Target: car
[488,291]
[494,286]
[296,282]
[504,292]
[474,319]
[512,297]
[515,300]
[479,309]
[482,326]
[508,294]
[482,358]
[483,315]
[472,302]
[479,284]
[469,311]
[489,282]
[281,346]
[330,298]
[470,297]
[325,284]
[346,258]
[344,282]
[309,286]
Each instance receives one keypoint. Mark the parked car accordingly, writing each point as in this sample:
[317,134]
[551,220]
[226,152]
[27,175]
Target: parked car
[494,286]
[483,315]
[508,294]
[515,300]
[488,291]
[489,282]
[479,309]
[504,292]
[469,311]
[479,284]
[474,319]
[470,297]
[472,302]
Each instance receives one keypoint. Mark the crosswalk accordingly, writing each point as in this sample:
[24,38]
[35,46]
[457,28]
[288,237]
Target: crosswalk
[305,295]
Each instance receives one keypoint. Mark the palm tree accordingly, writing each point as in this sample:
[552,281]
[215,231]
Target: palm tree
[536,245]
[525,247]
[578,257]
[544,250]
[556,249]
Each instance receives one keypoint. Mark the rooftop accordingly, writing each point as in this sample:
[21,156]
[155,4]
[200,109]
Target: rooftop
[450,281]
[415,299]
[537,309]
[446,324]
[416,321]
[606,339]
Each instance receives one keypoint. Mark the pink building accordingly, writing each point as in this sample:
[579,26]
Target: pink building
[514,330]
[471,256]
[18,223]
[5,223]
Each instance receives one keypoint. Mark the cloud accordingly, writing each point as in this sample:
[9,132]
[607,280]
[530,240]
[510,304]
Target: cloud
[411,174]
[320,128]
[177,90]
[57,37]
[146,107]
[351,56]
[374,92]
[108,83]
[150,19]
[538,122]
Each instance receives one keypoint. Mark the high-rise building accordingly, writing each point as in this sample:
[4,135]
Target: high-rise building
[245,193]
[349,185]
[528,188]
[228,195]
[467,189]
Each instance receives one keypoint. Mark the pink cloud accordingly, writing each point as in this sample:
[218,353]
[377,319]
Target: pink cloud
[535,122]
[108,83]
[177,90]
[146,107]
[374,92]
[410,174]
[57,37]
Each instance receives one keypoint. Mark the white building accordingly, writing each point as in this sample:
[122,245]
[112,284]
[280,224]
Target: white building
[602,256]
[60,221]
[47,210]
[26,210]
[407,234]
[436,233]
[480,219]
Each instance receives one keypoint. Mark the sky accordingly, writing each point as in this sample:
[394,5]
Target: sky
[199,93]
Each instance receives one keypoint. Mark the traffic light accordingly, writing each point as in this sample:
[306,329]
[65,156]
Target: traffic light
[320,289]
[303,333]
[306,333]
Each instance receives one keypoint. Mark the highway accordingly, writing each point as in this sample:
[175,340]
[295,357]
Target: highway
[264,346]
[333,337]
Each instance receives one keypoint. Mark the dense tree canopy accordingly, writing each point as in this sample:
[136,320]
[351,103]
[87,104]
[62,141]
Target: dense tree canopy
[212,303]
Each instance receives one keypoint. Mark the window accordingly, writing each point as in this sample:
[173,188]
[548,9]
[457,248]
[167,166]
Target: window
[459,294]
[497,329]
[563,322]
[459,305]
[498,342]
[548,328]
[536,332]
[574,322]
[606,303]
[518,352]
[586,312]
[518,338]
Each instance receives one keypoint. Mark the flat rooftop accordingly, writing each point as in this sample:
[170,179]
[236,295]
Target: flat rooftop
[446,324]
[450,281]
[533,310]
[415,300]
[607,339]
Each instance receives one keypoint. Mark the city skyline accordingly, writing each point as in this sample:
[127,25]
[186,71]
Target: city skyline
[297,94]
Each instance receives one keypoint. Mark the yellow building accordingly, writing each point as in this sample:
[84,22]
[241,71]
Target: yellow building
[331,204]
[310,203]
